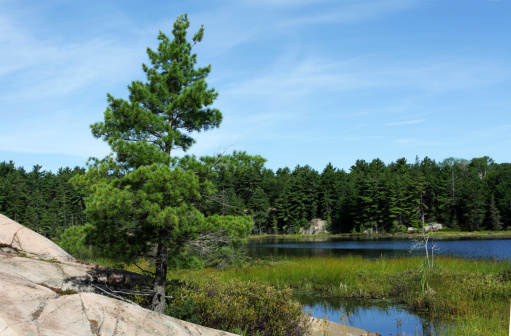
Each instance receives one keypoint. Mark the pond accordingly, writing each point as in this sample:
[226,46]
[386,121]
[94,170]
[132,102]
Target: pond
[382,316]
[487,249]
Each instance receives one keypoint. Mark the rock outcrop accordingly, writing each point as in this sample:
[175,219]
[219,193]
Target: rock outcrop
[45,291]
[317,225]
[18,237]
[428,227]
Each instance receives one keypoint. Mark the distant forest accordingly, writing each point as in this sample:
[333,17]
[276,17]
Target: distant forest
[465,195]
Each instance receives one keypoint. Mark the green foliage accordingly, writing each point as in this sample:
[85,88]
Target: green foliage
[66,292]
[493,219]
[461,194]
[74,241]
[255,308]
[162,112]
[235,227]
[299,201]
[42,201]
[147,205]
[184,260]
[142,197]
[182,305]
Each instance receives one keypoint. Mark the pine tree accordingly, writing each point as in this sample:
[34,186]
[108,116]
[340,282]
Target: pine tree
[298,202]
[344,208]
[327,191]
[142,196]
[499,183]
[259,206]
[472,204]
[494,221]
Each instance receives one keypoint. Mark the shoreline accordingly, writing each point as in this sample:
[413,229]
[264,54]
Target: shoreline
[438,235]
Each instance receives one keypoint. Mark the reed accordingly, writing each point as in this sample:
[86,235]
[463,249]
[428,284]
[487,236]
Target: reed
[473,294]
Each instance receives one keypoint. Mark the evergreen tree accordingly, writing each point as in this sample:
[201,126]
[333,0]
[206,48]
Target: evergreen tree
[346,204]
[259,206]
[472,204]
[499,183]
[298,202]
[371,197]
[327,191]
[142,196]
[13,191]
[493,221]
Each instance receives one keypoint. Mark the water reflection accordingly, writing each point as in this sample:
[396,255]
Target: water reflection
[380,316]
[325,246]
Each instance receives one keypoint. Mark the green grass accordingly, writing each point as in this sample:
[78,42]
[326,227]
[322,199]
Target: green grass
[475,294]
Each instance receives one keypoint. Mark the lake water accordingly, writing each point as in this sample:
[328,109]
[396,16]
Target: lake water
[379,316]
[487,249]
[384,317]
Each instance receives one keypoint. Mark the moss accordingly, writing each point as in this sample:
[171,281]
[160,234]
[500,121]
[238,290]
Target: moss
[49,260]
[59,291]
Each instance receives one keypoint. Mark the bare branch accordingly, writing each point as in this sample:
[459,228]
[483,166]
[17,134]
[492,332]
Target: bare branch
[207,242]
[114,296]
[143,270]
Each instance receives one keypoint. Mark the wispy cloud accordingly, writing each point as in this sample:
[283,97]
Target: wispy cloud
[288,72]
[408,122]
[346,12]
[239,22]
[43,69]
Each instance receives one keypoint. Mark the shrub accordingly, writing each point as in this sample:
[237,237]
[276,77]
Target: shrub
[73,240]
[248,307]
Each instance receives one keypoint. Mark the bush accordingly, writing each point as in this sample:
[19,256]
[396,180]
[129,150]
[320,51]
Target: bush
[73,241]
[185,261]
[183,306]
[248,307]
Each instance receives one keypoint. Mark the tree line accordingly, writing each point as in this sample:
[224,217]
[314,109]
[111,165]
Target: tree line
[41,200]
[462,194]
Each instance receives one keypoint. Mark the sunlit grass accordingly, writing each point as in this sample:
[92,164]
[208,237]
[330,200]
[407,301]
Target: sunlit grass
[475,294]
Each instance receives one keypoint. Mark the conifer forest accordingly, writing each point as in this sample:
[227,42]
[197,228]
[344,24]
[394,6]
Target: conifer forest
[466,195]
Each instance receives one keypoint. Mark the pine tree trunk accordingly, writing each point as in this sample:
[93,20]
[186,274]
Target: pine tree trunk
[158,301]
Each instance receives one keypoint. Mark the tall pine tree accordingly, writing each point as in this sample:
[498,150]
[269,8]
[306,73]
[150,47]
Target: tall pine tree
[142,196]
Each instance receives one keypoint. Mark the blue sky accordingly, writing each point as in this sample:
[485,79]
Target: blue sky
[300,81]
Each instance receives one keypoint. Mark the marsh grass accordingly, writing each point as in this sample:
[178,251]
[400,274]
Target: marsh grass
[473,294]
